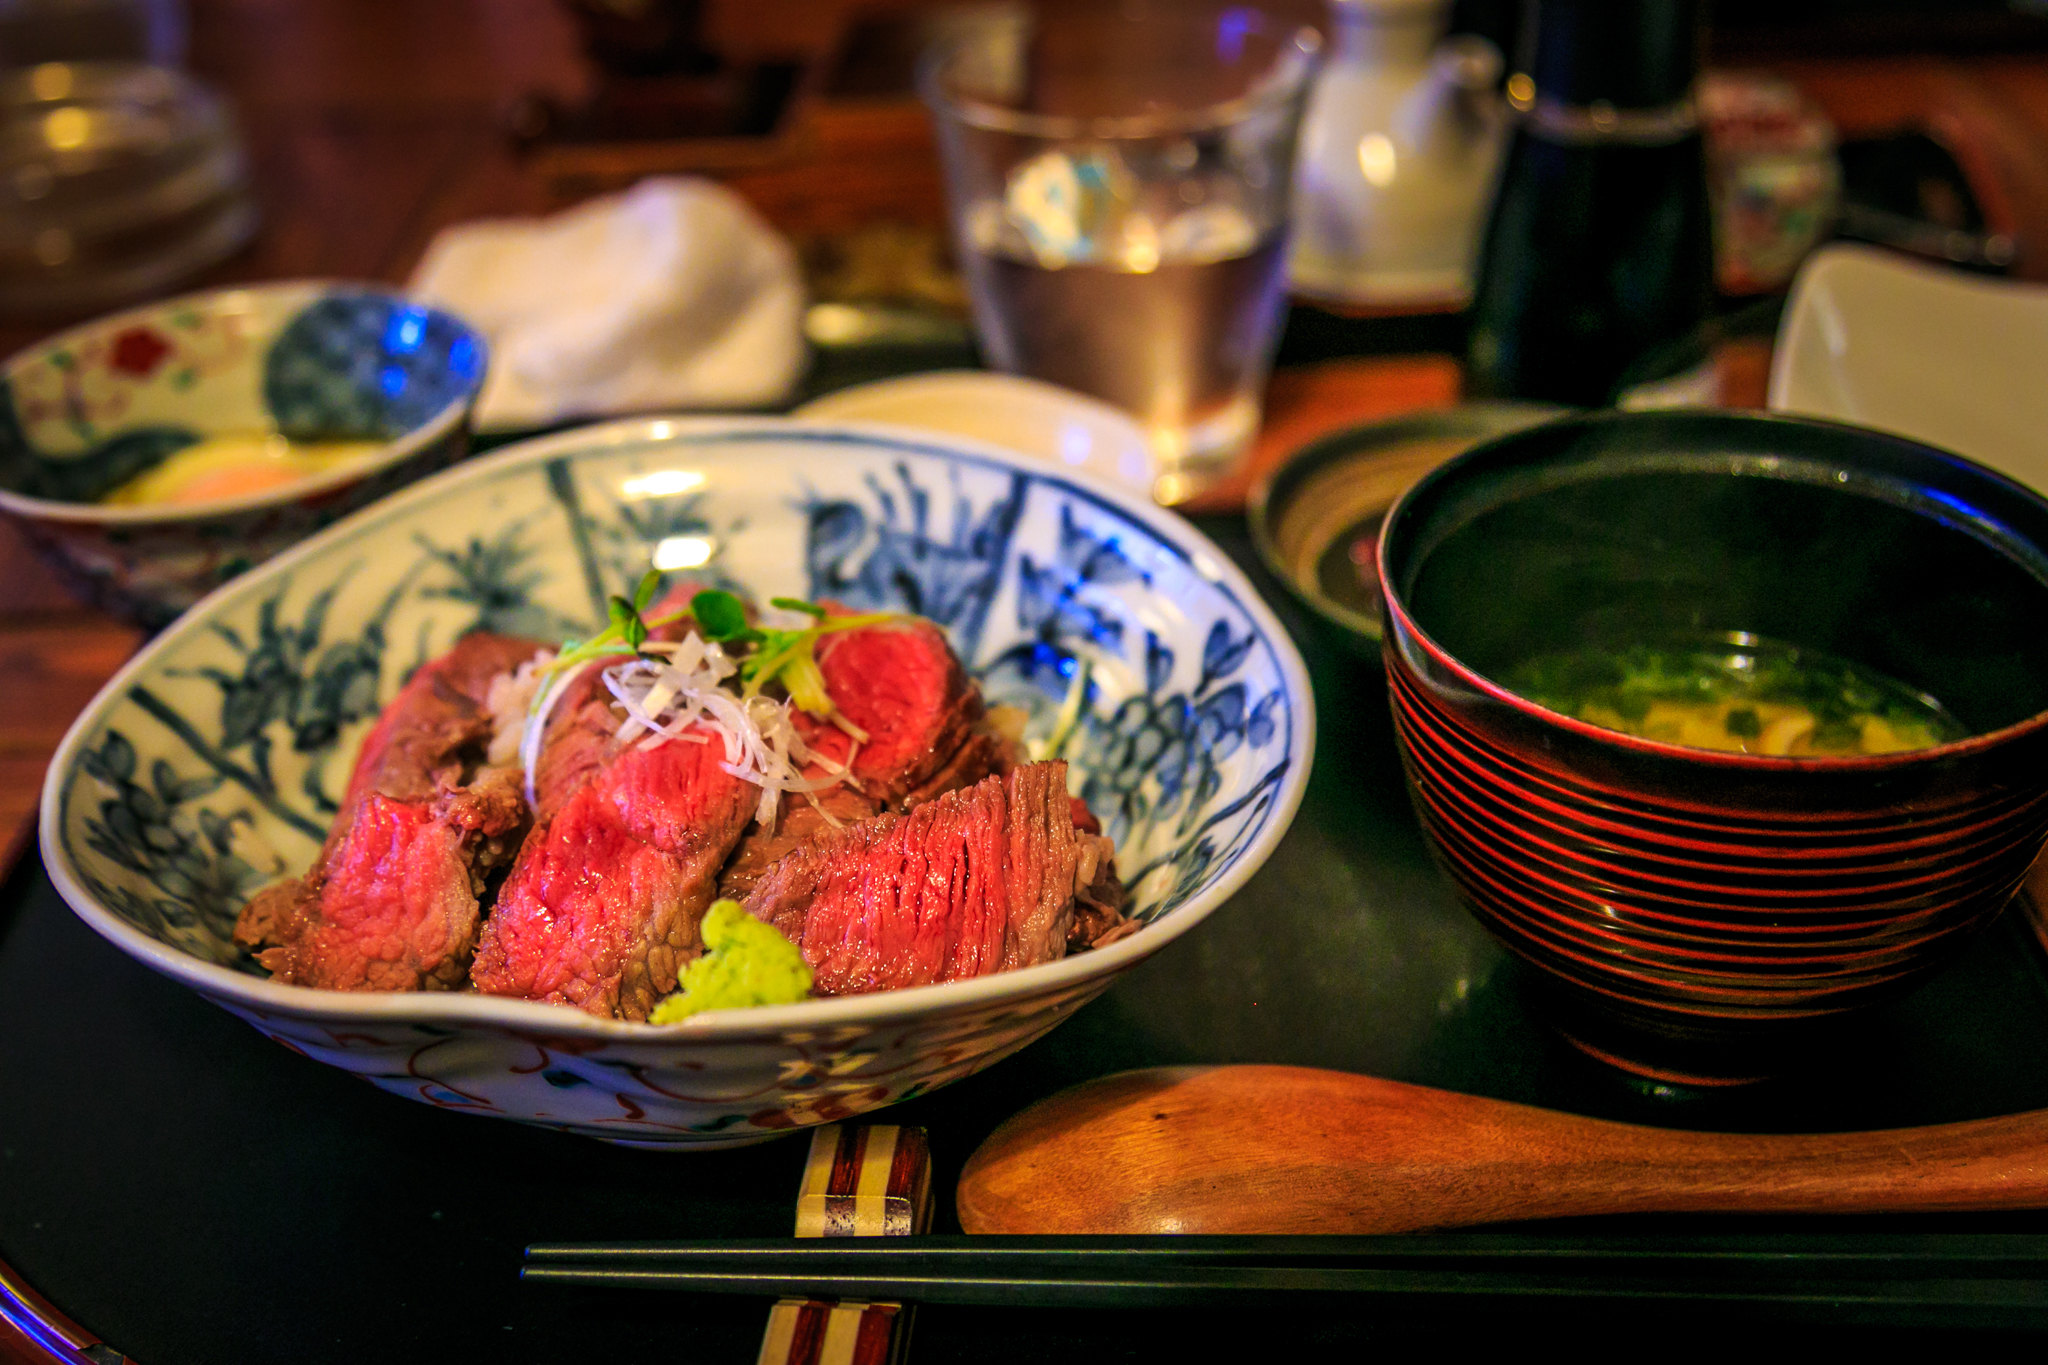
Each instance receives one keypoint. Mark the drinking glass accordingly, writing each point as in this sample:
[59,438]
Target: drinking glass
[1117,180]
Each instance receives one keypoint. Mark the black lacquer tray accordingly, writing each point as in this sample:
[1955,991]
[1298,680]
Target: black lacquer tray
[192,1193]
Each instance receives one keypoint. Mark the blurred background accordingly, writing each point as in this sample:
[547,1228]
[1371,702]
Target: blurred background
[338,138]
[369,124]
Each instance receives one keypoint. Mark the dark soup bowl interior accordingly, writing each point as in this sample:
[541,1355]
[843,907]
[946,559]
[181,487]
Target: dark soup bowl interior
[1698,915]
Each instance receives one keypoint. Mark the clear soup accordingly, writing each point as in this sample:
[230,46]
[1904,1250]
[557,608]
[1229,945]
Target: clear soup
[1738,694]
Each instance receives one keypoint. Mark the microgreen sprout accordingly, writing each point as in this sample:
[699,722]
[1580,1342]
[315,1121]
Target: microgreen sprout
[785,656]
[626,632]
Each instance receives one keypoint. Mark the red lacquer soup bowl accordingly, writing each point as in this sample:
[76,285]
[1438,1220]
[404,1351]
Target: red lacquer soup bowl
[1697,915]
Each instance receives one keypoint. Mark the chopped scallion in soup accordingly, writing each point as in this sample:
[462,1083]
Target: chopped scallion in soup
[1740,695]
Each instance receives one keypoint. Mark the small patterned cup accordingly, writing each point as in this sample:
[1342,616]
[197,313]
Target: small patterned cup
[91,408]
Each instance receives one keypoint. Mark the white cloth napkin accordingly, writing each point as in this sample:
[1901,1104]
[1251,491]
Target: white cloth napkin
[674,294]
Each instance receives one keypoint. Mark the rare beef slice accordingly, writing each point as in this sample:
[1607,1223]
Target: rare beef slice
[602,908]
[583,725]
[392,901]
[979,880]
[901,685]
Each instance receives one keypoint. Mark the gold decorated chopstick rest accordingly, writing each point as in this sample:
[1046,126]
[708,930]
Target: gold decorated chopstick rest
[869,1180]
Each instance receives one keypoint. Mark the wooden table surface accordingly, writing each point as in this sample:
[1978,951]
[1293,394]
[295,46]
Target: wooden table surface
[372,126]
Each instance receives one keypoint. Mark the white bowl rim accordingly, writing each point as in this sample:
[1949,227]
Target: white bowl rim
[835,406]
[394,452]
[891,401]
[526,1017]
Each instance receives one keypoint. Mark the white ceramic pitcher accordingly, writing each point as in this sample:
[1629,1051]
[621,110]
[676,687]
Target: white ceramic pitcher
[1398,153]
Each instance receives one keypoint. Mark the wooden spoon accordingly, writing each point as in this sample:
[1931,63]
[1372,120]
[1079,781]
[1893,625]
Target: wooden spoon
[1281,1149]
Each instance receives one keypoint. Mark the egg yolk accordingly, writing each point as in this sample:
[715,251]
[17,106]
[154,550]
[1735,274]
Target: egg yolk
[222,467]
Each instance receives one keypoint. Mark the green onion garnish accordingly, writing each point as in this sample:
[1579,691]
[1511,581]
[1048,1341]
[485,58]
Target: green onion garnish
[785,656]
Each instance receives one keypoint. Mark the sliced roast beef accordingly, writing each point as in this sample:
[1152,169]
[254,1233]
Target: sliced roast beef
[901,685]
[979,880]
[582,729]
[602,908]
[391,903]
[801,820]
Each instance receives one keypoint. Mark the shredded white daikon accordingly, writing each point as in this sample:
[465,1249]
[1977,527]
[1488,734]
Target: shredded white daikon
[673,687]
[510,702]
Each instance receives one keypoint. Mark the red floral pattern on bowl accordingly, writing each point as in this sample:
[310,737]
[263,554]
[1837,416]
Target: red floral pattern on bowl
[138,351]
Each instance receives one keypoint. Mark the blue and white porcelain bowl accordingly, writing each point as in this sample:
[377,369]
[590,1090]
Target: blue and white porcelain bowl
[89,409]
[212,763]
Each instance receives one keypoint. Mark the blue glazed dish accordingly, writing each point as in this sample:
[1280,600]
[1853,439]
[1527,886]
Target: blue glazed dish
[90,409]
[213,763]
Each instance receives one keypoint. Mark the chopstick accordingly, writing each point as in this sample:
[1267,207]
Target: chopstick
[1989,1271]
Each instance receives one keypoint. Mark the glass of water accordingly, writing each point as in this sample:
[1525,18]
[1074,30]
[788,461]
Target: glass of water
[1118,185]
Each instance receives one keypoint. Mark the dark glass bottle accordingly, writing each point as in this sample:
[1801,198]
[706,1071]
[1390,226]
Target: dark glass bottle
[1599,248]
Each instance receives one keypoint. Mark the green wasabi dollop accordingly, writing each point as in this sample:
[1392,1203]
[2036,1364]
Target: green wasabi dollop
[745,963]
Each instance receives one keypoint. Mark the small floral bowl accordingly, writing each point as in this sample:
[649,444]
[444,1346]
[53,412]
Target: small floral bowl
[213,763]
[90,409]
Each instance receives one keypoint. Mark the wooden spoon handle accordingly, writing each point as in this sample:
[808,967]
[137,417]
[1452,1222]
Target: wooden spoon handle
[1274,1149]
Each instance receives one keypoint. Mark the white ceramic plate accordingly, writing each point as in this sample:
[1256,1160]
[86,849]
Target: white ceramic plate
[1030,416]
[1944,357]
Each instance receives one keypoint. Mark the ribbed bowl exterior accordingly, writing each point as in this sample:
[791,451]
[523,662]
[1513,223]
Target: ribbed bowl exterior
[1691,915]
[1689,908]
